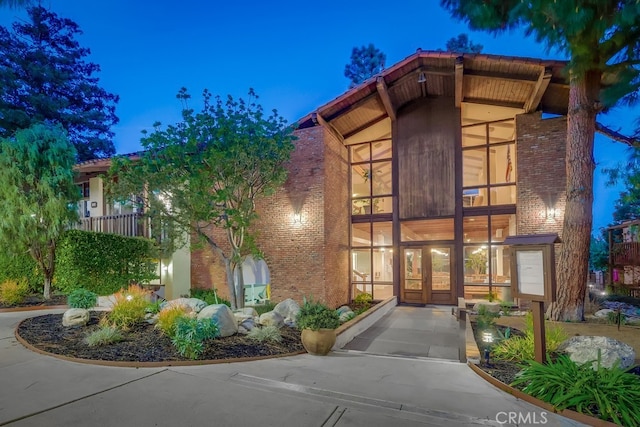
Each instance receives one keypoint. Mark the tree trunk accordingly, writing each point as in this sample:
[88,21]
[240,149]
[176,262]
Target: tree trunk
[239,287]
[47,287]
[574,253]
[231,286]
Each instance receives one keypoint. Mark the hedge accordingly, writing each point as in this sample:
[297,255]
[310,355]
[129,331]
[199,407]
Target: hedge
[103,263]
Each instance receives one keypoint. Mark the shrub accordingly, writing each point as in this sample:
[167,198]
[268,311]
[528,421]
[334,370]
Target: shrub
[190,335]
[129,307]
[103,336]
[610,394]
[486,319]
[154,307]
[363,298]
[266,333]
[13,292]
[264,308]
[210,296]
[521,348]
[22,268]
[615,316]
[103,262]
[315,315]
[82,298]
[168,317]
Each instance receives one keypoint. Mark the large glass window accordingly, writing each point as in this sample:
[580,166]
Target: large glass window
[371,231]
[489,164]
[486,259]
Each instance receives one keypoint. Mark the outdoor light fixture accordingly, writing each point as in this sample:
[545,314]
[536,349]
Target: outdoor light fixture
[487,337]
[297,218]
[129,297]
[486,356]
[422,77]
[551,213]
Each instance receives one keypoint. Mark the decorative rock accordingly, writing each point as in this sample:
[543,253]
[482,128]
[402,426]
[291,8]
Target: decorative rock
[272,318]
[241,317]
[603,313]
[343,309]
[242,330]
[223,316]
[584,349]
[194,304]
[249,311]
[106,302]
[493,307]
[151,319]
[288,309]
[75,317]
[346,316]
[247,325]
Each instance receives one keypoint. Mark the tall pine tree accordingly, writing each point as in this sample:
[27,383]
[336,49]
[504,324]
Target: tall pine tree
[44,78]
[366,62]
[600,37]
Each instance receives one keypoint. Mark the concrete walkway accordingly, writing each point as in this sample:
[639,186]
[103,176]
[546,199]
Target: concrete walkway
[342,389]
[415,332]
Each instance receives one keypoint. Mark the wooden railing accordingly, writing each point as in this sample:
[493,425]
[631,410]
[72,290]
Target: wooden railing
[627,253]
[129,225]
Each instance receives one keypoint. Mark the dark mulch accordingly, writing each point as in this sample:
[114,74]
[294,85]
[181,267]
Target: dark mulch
[143,343]
[38,300]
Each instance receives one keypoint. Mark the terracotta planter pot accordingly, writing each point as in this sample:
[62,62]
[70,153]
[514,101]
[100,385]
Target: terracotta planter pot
[318,342]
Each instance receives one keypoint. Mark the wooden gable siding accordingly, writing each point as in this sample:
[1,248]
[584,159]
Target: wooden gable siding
[426,134]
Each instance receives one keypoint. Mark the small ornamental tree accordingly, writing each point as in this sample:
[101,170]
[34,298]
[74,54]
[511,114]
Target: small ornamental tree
[207,171]
[366,62]
[38,195]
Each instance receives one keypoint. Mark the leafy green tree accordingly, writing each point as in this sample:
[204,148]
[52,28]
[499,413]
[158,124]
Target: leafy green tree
[462,44]
[44,78]
[14,3]
[599,36]
[366,61]
[38,195]
[205,173]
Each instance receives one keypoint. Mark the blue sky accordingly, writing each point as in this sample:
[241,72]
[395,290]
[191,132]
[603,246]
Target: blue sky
[292,53]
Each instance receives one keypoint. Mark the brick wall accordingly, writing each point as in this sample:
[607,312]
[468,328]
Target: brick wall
[541,173]
[309,258]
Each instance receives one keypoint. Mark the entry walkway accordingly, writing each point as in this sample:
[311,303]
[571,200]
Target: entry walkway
[430,331]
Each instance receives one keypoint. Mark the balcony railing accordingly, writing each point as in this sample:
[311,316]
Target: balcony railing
[129,225]
[627,253]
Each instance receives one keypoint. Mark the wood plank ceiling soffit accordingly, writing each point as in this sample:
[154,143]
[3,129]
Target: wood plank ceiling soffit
[459,76]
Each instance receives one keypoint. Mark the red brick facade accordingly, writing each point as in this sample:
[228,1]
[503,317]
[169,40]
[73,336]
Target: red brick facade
[309,258]
[541,173]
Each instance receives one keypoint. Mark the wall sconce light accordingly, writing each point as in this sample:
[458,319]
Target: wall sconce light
[297,218]
[422,77]
[551,213]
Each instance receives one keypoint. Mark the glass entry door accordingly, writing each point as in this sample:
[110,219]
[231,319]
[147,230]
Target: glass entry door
[428,275]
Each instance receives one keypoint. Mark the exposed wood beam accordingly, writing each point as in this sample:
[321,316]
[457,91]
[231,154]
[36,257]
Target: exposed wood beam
[541,86]
[383,92]
[317,118]
[459,73]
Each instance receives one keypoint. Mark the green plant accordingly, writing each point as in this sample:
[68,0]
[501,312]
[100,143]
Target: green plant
[351,316]
[264,308]
[190,335]
[153,307]
[505,306]
[103,336]
[486,319]
[265,333]
[610,394]
[21,267]
[477,261]
[615,317]
[363,298]
[210,296]
[13,292]
[519,348]
[168,318]
[315,315]
[82,298]
[129,307]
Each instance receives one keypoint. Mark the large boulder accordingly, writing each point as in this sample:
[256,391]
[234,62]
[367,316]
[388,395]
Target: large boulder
[271,318]
[223,316]
[584,349]
[192,304]
[345,316]
[604,313]
[288,309]
[245,313]
[343,309]
[75,317]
